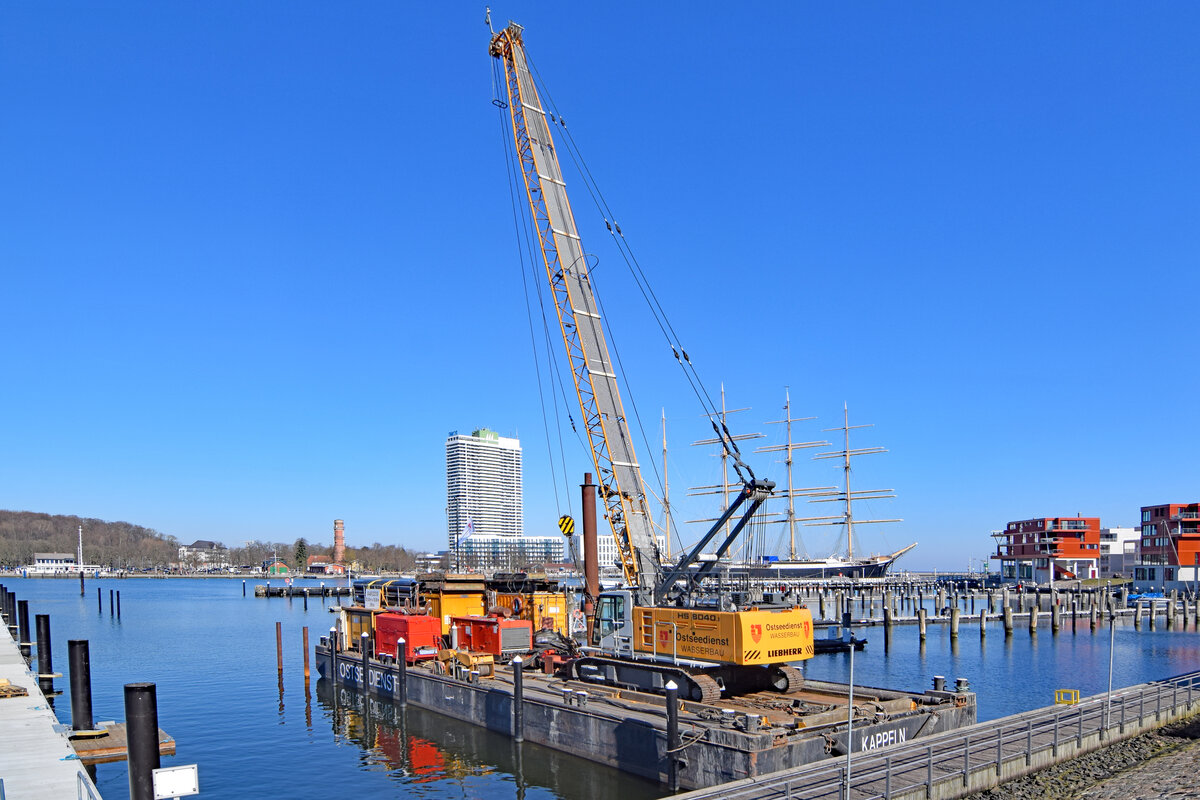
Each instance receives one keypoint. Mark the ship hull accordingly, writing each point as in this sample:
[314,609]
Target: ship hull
[814,570]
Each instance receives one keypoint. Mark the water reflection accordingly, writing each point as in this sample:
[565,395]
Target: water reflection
[419,746]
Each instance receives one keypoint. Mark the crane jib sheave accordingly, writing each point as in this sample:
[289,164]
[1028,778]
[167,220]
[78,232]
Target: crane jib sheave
[579,319]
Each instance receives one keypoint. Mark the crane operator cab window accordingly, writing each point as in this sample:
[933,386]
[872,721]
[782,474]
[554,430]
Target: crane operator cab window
[610,616]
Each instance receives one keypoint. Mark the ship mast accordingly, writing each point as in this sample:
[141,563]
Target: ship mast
[666,489]
[723,488]
[787,449]
[848,495]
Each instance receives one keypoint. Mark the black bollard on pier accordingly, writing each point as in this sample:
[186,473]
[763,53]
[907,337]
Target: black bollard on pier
[141,726]
[402,672]
[45,660]
[364,644]
[23,628]
[81,684]
[672,736]
[518,701]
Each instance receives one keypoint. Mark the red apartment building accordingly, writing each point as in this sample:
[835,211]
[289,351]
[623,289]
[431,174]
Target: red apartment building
[1170,546]
[1035,549]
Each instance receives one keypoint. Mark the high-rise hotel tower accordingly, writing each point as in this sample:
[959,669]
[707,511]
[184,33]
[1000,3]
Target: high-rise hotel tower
[483,485]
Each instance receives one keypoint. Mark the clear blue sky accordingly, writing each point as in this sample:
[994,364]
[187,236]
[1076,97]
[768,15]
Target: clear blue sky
[258,258]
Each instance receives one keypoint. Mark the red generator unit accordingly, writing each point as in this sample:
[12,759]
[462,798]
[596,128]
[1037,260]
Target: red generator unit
[422,635]
[502,638]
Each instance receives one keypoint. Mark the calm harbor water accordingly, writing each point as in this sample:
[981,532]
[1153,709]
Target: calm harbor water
[212,654]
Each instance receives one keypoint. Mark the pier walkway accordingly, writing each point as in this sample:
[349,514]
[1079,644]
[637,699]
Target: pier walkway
[979,757]
[36,759]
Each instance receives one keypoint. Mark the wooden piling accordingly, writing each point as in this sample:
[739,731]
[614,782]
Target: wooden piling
[954,612]
[306,655]
[921,620]
[279,645]
[1033,619]
[983,623]
[1137,615]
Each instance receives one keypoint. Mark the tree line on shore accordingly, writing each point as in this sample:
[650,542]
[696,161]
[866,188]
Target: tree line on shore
[123,545]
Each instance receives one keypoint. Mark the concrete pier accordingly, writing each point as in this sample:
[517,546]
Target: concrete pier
[37,761]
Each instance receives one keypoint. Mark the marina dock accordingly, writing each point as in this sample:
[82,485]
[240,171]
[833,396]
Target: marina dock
[37,759]
[301,591]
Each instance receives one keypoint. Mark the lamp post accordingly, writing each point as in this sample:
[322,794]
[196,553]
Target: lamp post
[1112,638]
[850,717]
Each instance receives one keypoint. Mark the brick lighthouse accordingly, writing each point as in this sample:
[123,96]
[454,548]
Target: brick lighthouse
[339,541]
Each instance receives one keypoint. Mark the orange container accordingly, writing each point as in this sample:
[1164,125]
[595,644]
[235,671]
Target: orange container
[494,635]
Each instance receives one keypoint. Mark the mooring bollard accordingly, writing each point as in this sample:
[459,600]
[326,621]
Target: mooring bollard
[402,672]
[364,645]
[45,660]
[672,736]
[23,628]
[333,654]
[141,726]
[518,701]
[81,684]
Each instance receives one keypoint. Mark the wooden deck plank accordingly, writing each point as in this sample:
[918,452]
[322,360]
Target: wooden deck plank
[115,746]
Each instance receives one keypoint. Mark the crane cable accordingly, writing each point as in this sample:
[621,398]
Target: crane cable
[631,261]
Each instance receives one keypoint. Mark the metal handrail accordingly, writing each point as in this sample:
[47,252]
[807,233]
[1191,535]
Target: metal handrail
[82,783]
[935,759]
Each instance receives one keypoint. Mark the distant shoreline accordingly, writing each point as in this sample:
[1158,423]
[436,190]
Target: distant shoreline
[174,575]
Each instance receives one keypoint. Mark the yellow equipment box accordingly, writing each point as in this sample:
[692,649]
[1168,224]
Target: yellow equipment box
[736,637]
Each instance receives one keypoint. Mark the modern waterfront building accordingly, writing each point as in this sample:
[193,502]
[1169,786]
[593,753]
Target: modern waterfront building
[1118,551]
[1046,549]
[483,486]
[1169,551]
[482,552]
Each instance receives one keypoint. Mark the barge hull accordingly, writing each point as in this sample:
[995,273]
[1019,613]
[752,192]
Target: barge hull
[631,736]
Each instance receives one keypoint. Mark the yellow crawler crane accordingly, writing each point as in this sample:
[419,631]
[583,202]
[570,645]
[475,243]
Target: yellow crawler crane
[661,627]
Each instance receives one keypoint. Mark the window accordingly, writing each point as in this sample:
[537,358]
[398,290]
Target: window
[1150,573]
[1169,574]
[1146,516]
[610,616]
[1139,574]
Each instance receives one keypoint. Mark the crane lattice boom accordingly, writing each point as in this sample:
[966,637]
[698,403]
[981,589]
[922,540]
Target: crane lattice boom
[579,320]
